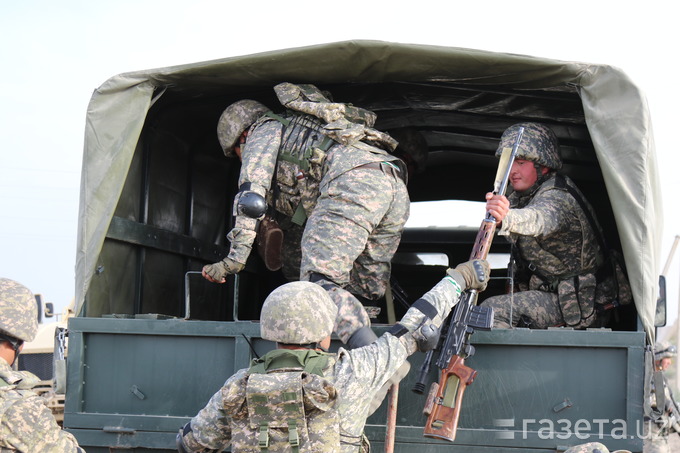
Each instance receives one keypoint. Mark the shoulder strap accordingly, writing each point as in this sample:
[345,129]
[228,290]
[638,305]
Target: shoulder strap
[561,182]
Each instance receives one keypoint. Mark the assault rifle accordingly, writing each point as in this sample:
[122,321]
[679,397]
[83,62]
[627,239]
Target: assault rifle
[442,406]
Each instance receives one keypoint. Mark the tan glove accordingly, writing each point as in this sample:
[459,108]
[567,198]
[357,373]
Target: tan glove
[217,272]
[472,274]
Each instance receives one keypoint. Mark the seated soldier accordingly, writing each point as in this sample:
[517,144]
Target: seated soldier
[561,270]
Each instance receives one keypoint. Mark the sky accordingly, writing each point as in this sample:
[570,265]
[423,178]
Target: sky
[54,54]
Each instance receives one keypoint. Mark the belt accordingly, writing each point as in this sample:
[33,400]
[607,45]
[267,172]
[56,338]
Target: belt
[385,167]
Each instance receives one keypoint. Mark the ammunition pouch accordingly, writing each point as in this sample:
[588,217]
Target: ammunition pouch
[576,296]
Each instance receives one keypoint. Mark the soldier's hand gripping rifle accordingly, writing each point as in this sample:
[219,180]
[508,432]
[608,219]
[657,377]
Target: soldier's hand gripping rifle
[445,397]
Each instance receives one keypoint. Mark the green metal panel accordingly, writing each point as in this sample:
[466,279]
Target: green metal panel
[134,382]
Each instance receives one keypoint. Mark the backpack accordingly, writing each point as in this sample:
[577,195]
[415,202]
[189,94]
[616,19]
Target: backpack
[312,124]
[290,407]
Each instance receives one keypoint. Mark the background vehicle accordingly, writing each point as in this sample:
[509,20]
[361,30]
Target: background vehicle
[44,357]
[156,206]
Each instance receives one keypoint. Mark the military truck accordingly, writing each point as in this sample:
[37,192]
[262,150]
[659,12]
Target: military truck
[153,340]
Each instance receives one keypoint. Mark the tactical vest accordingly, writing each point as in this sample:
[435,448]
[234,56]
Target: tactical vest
[581,293]
[300,165]
[311,125]
[290,407]
[9,396]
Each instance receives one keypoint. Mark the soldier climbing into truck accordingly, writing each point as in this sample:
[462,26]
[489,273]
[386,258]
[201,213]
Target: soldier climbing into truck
[335,180]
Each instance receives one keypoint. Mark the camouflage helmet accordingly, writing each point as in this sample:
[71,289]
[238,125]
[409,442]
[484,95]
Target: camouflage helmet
[18,311]
[412,143]
[539,144]
[235,119]
[297,313]
[590,447]
[664,349]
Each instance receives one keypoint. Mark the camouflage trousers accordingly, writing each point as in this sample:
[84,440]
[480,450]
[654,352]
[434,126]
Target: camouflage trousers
[351,237]
[656,439]
[539,308]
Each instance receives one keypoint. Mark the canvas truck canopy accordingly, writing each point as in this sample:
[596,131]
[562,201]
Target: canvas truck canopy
[461,99]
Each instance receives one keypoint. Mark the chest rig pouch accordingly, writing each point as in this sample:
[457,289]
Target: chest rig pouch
[299,168]
[313,123]
[290,406]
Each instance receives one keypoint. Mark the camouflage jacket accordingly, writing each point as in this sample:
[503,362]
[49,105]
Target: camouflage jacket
[551,232]
[294,185]
[26,424]
[556,249]
[357,375]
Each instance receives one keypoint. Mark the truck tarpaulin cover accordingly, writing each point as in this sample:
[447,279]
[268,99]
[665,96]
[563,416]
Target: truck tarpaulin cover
[615,112]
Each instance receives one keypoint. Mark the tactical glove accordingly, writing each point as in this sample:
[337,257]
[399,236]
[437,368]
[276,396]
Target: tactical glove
[218,271]
[472,274]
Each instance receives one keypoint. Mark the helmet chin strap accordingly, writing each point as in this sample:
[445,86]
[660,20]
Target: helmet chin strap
[540,177]
[16,346]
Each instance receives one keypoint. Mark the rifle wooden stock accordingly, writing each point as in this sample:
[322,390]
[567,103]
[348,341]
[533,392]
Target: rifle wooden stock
[442,421]
[444,400]
[480,249]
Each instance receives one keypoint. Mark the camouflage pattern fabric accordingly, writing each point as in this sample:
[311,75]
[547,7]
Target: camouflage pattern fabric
[590,447]
[656,441]
[18,310]
[297,313]
[539,144]
[351,237]
[356,375]
[655,436]
[355,216]
[550,231]
[344,123]
[593,447]
[235,120]
[26,424]
[539,308]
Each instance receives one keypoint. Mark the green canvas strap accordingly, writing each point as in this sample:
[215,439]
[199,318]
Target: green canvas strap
[313,362]
[303,163]
[278,118]
[263,438]
[293,437]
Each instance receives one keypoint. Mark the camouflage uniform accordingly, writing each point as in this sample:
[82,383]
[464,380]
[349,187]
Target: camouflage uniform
[656,436]
[26,424]
[549,229]
[556,249]
[355,202]
[355,374]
